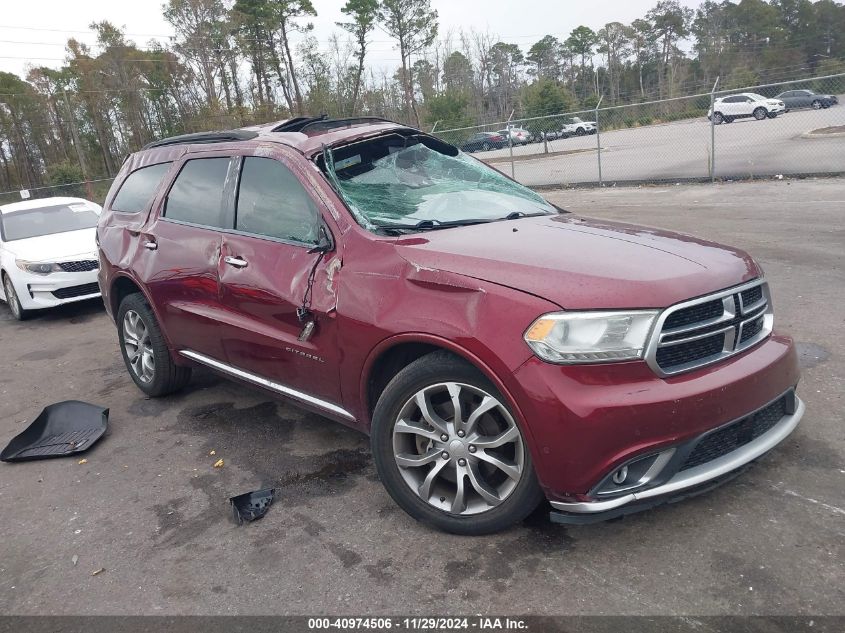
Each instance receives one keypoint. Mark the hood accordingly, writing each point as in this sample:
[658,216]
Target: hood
[56,247]
[583,264]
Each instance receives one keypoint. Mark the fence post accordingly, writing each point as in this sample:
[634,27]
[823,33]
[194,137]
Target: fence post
[510,143]
[713,132]
[598,138]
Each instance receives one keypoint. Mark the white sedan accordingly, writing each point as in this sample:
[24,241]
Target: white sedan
[48,253]
[745,104]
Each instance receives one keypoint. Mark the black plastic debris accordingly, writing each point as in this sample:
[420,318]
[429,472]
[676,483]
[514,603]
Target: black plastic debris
[252,505]
[62,429]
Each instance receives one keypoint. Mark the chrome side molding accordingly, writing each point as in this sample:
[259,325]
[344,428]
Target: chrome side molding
[267,384]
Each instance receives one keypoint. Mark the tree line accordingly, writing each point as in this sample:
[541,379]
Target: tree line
[238,62]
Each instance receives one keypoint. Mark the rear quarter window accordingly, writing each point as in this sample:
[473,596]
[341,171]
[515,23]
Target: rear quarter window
[138,189]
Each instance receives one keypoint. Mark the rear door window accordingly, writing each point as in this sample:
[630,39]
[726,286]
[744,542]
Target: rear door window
[273,203]
[196,196]
[138,189]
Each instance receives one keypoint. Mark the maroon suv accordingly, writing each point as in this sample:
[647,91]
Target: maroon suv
[497,349]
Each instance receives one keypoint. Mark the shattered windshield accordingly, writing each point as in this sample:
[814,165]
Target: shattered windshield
[387,182]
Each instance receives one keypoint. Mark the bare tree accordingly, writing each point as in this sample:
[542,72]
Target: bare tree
[364,14]
[413,23]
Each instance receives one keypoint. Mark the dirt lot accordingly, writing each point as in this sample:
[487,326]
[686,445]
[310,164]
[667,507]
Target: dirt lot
[150,509]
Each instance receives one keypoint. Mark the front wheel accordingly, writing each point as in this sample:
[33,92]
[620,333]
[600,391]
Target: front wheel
[580,132]
[145,351]
[760,114]
[12,300]
[718,119]
[448,450]
[485,147]
[817,104]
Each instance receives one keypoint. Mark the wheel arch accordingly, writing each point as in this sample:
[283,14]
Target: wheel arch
[123,285]
[397,352]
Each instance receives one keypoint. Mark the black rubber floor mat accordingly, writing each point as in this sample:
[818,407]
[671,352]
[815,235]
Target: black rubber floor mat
[62,429]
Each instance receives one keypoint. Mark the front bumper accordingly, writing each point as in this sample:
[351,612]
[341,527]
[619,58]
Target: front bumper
[684,483]
[585,422]
[36,292]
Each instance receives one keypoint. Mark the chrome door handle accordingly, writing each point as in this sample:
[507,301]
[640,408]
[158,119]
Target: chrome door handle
[150,246]
[237,262]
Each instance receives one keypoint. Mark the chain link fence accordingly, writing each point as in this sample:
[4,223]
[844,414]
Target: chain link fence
[94,190]
[675,139]
[667,140]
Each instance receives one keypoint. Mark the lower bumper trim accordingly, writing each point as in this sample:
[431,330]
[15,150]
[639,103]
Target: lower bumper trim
[686,482]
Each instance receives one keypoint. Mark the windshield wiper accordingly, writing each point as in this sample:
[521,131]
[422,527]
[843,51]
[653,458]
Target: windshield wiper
[515,215]
[432,225]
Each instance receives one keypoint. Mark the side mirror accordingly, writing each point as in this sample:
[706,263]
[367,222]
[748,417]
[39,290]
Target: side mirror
[324,242]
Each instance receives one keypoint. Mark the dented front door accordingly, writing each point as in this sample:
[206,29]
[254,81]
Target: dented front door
[264,272]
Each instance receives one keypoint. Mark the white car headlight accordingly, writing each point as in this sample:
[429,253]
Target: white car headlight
[39,268]
[590,337]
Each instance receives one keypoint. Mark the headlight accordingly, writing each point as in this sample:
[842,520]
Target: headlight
[39,268]
[590,337]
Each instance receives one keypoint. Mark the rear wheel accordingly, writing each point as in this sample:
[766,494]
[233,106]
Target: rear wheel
[145,351]
[449,451]
[760,113]
[12,300]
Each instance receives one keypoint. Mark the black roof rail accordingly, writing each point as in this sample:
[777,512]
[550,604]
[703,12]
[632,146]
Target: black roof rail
[204,137]
[331,124]
[296,124]
[302,123]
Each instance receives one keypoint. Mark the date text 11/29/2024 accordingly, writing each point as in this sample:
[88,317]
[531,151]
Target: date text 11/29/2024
[476,623]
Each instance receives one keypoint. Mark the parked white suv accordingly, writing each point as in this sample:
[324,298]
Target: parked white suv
[577,127]
[745,104]
[48,253]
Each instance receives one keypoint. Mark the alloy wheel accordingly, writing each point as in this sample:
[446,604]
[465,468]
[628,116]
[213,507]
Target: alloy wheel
[11,297]
[817,105]
[138,347]
[458,448]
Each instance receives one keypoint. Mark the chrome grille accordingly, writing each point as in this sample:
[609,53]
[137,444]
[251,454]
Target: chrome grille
[83,266]
[708,329]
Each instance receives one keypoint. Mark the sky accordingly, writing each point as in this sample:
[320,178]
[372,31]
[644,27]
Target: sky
[34,32]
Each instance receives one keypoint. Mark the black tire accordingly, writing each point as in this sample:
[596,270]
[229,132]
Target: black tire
[485,147]
[817,105]
[718,118]
[167,376]
[432,369]
[760,113]
[580,132]
[12,300]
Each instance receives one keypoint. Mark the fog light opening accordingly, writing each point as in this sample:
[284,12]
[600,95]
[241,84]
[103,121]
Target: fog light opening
[620,475]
